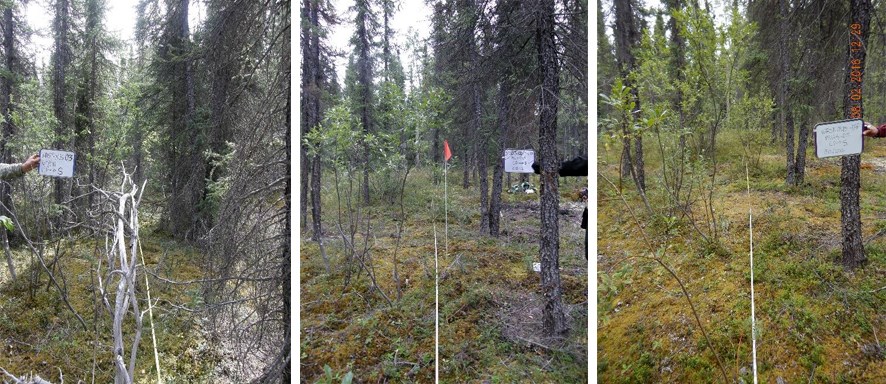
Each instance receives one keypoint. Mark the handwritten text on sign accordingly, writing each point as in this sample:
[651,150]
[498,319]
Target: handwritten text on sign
[57,163]
[519,160]
[838,138]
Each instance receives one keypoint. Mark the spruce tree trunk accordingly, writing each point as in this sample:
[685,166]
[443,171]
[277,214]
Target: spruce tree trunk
[186,147]
[61,60]
[364,68]
[6,104]
[481,164]
[800,163]
[466,169]
[306,106]
[312,79]
[784,68]
[626,37]
[850,215]
[553,314]
[504,101]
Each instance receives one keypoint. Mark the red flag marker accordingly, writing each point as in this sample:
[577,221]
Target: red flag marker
[446,152]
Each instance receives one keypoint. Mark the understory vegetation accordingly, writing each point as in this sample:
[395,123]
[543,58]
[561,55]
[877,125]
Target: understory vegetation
[42,337]
[815,320]
[489,297]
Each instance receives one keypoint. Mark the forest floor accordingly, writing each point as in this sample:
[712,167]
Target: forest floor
[816,321]
[490,299]
[41,336]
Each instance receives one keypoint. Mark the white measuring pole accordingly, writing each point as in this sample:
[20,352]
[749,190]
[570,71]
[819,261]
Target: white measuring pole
[446,208]
[436,312]
[751,230]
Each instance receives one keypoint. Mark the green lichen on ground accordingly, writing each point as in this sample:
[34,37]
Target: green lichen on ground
[354,330]
[40,335]
[815,320]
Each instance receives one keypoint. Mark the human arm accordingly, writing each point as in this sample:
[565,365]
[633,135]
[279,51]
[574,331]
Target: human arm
[871,130]
[8,171]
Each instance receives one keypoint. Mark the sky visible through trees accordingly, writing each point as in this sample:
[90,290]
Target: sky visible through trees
[413,16]
[119,20]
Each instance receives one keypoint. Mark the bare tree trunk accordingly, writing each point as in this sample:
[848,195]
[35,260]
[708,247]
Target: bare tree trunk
[6,104]
[784,68]
[123,265]
[554,314]
[481,162]
[306,109]
[61,60]
[466,168]
[185,145]
[626,37]
[850,211]
[504,100]
[800,163]
[364,67]
[93,25]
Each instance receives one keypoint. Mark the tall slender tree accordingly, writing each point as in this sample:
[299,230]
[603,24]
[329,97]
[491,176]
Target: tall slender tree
[362,41]
[87,94]
[626,38]
[554,314]
[850,185]
[8,130]
[185,146]
[506,38]
[786,115]
[61,60]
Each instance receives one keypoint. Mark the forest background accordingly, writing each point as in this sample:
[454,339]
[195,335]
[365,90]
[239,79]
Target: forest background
[168,255]
[705,150]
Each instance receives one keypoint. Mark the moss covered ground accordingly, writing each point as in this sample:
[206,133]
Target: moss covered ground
[40,336]
[490,300]
[816,321]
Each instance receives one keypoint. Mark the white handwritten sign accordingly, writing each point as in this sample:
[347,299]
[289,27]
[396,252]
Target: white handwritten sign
[57,163]
[838,138]
[519,160]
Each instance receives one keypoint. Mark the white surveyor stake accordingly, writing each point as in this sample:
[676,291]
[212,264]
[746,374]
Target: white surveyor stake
[751,230]
[436,313]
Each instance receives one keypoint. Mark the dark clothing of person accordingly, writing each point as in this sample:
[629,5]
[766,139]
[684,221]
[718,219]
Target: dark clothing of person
[575,167]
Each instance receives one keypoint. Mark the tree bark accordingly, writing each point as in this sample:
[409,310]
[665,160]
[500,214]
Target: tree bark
[306,109]
[61,59]
[504,105]
[481,153]
[626,37]
[364,68]
[786,115]
[800,162]
[850,212]
[554,314]
[6,103]
[185,145]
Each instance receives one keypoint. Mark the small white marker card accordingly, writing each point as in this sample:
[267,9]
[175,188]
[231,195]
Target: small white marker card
[838,138]
[57,163]
[519,160]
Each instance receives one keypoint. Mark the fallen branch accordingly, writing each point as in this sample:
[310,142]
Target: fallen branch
[25,379]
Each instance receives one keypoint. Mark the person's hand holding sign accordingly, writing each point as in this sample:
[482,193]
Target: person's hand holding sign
[9,171]
[871,130]
[31,163]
